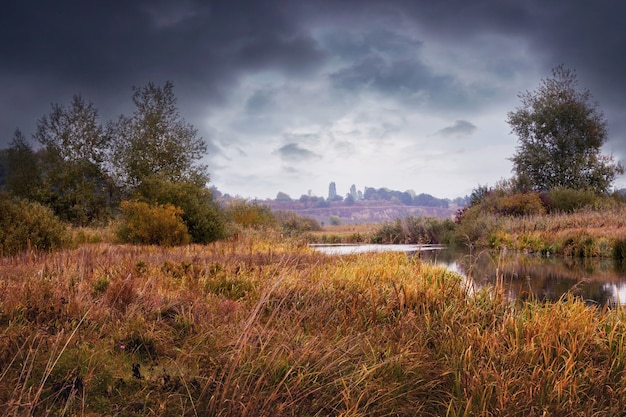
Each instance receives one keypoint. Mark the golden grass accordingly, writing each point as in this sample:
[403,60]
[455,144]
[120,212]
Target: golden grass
[585,233]
[262,326]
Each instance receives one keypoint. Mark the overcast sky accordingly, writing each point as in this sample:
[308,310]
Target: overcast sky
[291,95]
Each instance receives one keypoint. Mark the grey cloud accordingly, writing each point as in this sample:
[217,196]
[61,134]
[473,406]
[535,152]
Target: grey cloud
[407,79]
[294,152]
[458,129]
[260,100]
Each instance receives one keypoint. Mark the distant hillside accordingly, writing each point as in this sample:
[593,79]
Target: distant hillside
[362,211]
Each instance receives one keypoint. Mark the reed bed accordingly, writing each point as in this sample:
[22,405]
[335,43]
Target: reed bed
[261,326]
[585,233]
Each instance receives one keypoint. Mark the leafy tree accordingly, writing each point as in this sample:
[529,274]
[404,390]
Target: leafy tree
[74,151]
[23,176]
[560,133]
[156,141]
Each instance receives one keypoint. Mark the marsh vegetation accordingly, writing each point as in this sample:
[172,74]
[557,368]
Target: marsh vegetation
[262,325]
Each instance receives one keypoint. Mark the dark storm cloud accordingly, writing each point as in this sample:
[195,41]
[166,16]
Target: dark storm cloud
[388,63]
[294,152]
[52,50]
[102,48]
[108,41]
[458,129]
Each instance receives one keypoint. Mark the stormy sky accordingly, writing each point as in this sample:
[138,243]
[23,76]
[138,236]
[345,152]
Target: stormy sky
[291,95]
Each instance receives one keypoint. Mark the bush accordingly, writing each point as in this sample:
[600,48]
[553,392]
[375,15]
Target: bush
[619,249]
[252,215]
[28,225]
[294,225]
[421,230]
[476,226]
[519,204]
[205,220]
[159,224]
[567,200]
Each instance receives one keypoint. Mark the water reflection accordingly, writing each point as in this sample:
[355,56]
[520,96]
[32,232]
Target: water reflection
[601,281]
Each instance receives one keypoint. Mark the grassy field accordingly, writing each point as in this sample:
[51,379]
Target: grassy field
[263,326]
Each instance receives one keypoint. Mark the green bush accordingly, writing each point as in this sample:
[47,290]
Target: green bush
[476,225]
[159,224]
[28,225]
[567,200]
[251,215]
[294,225]
[205,220]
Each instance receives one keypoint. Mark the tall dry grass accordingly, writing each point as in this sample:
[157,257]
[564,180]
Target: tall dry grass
[260,326]
[585,233]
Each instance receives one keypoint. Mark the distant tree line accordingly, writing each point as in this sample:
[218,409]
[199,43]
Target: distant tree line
[408,198]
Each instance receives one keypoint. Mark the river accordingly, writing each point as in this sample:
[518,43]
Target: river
[597,281]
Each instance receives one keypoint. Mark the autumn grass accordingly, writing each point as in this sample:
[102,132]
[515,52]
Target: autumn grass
[260,326]
[345,233]
[585,233]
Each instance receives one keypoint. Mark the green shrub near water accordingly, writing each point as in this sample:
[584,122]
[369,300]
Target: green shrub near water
[422,230]
[29,225]
[567,200]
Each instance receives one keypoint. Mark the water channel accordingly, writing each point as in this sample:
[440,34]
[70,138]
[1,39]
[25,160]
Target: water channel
[597,281]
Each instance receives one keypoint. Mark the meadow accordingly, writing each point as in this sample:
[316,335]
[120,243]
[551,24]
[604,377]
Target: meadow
[260,325]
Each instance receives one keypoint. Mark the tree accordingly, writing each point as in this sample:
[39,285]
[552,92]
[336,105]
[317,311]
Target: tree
[560,133]
[282,196]
[23,177]
[156,141]
[332,191]
[75,146]
[353,192]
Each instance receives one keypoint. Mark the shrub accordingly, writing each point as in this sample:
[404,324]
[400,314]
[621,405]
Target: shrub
[294,225]
[476,226]
[334,221]
[423,230]
[519,204]
[568,200]
[159,224]
[29,225]
[252,215]
[619,249]
[205,220]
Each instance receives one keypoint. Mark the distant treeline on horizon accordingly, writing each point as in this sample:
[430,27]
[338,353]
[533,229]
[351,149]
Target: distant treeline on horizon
[408,198]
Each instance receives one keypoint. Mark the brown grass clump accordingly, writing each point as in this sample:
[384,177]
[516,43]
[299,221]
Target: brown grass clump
[262,326]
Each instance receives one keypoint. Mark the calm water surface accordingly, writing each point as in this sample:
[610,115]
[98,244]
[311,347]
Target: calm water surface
[600,281]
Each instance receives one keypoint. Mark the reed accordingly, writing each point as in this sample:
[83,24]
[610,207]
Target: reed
[584,233]
[259,325]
